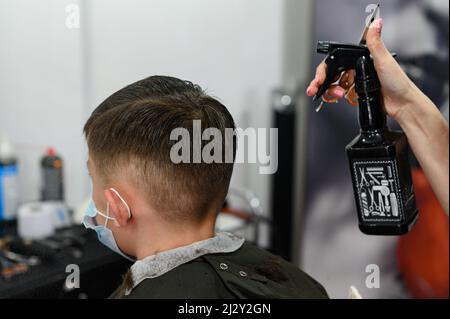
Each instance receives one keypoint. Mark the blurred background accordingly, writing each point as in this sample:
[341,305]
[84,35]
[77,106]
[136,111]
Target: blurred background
[62,58]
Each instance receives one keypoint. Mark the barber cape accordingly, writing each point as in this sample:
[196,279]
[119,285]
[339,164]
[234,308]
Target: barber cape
[223,266]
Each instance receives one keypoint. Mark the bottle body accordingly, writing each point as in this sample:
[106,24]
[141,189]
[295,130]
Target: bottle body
[9,196]
[382,183]
[8,189]
[52,177]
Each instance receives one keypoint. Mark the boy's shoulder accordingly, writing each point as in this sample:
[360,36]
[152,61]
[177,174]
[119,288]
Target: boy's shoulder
[192,280]
[249,272]
[252,272]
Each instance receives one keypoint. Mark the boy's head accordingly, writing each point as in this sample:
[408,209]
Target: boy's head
[128,137]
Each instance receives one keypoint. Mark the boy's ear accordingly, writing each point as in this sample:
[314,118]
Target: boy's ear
[117,209]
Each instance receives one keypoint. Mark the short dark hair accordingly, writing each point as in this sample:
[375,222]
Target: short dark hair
[130,132]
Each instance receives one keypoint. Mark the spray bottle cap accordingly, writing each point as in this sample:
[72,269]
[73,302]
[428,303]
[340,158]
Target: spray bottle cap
[51,152]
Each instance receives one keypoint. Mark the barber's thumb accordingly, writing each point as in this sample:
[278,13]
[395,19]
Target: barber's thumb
[375,43]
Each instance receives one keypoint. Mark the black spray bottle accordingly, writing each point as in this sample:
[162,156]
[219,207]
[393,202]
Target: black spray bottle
[378,157]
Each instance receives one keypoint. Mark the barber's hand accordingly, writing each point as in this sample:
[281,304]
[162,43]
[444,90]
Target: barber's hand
[397,89]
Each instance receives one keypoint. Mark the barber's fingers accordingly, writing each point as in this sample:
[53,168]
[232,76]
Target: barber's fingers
[335,91]
[319,78]
[378,50]
[347,79]
[338,91]
[395,84]
[321,73]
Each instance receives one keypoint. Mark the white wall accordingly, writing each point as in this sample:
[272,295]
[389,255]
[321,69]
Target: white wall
[40,91]
[297,55]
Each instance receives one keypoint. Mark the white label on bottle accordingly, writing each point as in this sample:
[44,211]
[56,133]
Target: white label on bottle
[378,190]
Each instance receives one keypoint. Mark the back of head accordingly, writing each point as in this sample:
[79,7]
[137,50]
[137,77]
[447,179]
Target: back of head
[128,136]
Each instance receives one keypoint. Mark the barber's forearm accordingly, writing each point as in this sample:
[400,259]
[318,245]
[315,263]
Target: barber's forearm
[428,136]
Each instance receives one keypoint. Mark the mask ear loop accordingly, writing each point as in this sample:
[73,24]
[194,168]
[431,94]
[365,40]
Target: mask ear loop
[123,201]
[107,214]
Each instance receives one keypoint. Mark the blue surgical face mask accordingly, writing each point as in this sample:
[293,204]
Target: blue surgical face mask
[104,234]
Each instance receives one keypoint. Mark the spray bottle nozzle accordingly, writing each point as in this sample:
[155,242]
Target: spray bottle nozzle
[340,57]
[323,47]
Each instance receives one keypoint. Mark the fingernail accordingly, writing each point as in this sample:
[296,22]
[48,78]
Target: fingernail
[308,90]
[340,92]
[377,25]
[380,25]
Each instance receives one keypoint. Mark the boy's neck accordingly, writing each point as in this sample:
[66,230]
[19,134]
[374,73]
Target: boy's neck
[174,238]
